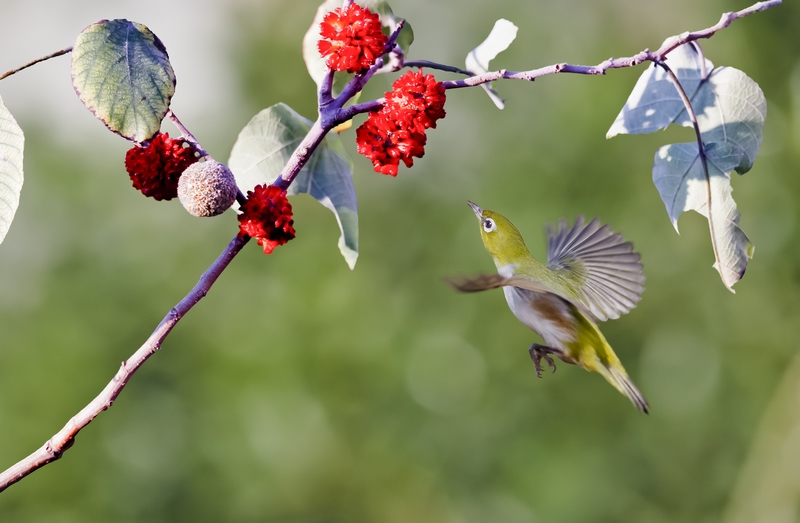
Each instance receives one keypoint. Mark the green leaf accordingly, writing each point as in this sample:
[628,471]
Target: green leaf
[501,36]
[265,145]
[11,144]
[316,64]
[654,102]
[121,72]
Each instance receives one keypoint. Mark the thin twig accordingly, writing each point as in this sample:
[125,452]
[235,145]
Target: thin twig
[55,447]
[187,135]
[434,65]
[42,59]
[614,63]
[703,160]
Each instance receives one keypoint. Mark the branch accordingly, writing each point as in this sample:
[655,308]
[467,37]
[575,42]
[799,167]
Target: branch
[360,80]
[331,114]
[433,65]
[55,447]
[42,59]
[614,63]
[186,134]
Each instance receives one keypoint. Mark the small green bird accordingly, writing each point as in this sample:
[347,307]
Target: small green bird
[591,274]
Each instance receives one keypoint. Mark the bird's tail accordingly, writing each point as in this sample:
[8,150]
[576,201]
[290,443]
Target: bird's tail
[616,375]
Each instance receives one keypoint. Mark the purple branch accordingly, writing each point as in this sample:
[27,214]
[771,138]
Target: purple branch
[55,447]
[301,155]
[326,88]
[614,63]
[360,80]
[441,67]
[349,112]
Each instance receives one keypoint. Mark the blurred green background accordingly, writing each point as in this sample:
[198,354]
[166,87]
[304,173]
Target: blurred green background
[299,391]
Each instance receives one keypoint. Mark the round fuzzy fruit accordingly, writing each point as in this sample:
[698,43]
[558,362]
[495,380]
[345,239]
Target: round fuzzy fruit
[207,188]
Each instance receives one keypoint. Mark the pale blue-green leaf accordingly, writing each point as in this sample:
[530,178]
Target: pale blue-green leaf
[121,72]
[654,102]
[731,110]
[389,21]
[265,145]
[12,142]
[681,181]
[314,62]
[501,36]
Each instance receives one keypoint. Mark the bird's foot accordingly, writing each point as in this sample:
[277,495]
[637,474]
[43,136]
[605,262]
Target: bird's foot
[539,352]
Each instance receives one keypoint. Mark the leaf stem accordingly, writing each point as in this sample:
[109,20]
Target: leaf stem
[704,161]
[34,62]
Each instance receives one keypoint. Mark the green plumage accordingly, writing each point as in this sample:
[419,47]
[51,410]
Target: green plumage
[591,274]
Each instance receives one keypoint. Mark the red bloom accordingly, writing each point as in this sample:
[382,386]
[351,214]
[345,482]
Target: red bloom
[397,131]
[155,168]
[416,99]
[267,216]
[352,37]
[386,141]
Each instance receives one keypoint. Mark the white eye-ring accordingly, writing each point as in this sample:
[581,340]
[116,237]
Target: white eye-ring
[489,225]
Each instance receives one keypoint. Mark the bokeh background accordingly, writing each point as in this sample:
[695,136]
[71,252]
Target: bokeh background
[299,391]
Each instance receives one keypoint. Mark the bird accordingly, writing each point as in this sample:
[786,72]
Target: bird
[592,274]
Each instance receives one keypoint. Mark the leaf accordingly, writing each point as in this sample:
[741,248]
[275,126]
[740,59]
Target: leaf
[731,111]
[12,141]
[316,64]
[501,36]
[121,72]
[389,21]
[654,102]
[679,176]
[265,145]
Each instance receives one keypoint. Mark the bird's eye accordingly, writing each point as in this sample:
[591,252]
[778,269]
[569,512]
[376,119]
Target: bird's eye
[489,225]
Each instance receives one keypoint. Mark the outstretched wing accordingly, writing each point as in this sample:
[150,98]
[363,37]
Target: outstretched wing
[484,282]
[606,265]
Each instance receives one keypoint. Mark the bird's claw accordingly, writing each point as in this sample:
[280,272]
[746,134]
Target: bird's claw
[538,352]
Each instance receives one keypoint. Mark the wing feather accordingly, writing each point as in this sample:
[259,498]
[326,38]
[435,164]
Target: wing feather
[609,267]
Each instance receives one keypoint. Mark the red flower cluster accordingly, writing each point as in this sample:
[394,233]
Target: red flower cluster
[397,131]
[267,216]
[352,37]
[155,168]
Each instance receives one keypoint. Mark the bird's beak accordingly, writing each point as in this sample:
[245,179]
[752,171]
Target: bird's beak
[477,210]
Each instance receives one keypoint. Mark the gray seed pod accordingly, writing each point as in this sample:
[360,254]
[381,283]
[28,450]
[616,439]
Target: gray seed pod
[207,188]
